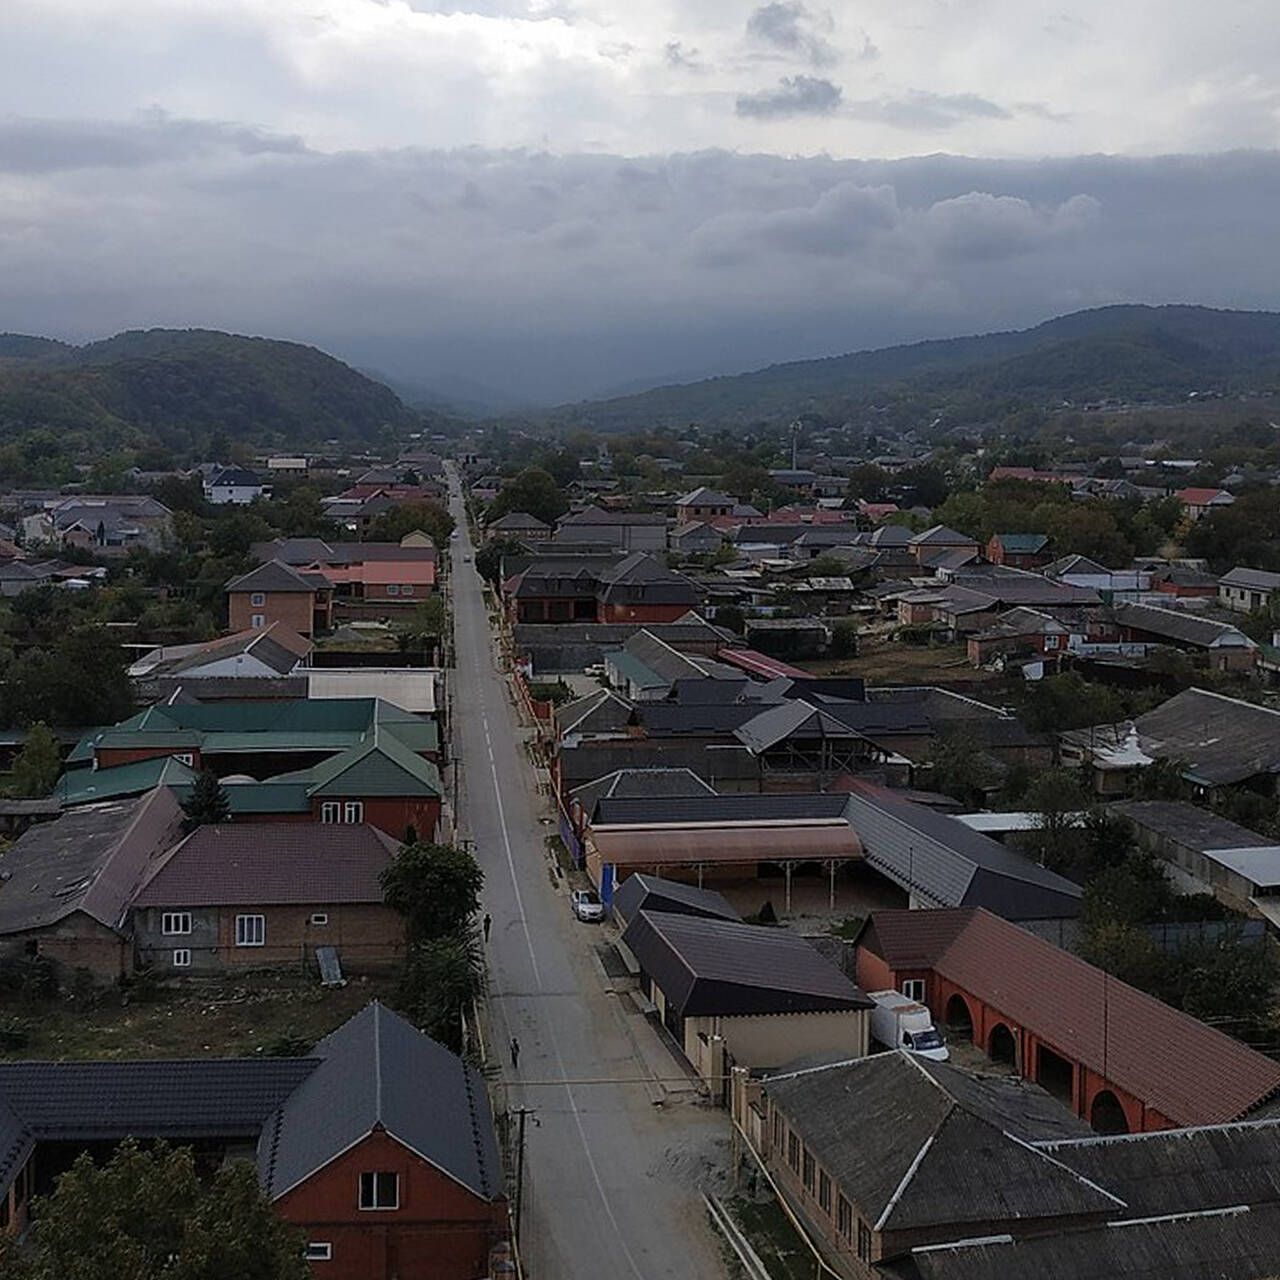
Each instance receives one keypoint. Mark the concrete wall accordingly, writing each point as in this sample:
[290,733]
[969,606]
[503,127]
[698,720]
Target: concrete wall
[773,1040]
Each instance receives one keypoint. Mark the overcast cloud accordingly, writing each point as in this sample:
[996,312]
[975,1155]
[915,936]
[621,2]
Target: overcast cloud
[553,198]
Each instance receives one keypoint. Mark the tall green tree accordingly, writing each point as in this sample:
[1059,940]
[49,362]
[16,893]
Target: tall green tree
[146,1214]
[489,557]
[208,802]
[430,517]
[442,977]
[38,764]
[533,491]
[435,887]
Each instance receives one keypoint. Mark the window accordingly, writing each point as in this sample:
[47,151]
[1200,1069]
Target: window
[318,1251]
[913,989]
[793,1152]
[258,599]
[185,757]
[353,811]
[320,917]
[807,1170]
[331,811]
[251,931]
[1051,642]
[406,589]
[393,588]
[864,1241]
[844,1217]
[824,1191]
[258,621]
[379,1190]
[182,958]
[777,1130]
[175,922]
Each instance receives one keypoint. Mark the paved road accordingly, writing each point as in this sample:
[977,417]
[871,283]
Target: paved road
[610,1186]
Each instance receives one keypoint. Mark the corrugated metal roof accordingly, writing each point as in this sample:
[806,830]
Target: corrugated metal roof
[708,966]
[1176,1065]
[675,845]
[640,892]
[706,806]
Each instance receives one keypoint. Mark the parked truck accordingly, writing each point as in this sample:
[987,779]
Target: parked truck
[899,1022]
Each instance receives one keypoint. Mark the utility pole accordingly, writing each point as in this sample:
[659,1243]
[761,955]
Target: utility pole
[522,1113]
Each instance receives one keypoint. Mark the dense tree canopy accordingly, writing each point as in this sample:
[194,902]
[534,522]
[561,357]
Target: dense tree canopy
[435,887]
[534,492]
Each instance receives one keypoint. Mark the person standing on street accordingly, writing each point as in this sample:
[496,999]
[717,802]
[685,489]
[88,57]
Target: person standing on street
[515,1053]
[488,924]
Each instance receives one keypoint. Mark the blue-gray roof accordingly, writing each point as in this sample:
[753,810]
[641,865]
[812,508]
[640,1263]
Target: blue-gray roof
[378,1070]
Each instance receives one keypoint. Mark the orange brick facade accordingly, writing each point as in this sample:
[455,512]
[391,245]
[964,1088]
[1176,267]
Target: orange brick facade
[296,609]
[369,936]
[441,1230]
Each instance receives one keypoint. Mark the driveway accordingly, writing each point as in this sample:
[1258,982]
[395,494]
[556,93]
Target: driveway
[611,1180]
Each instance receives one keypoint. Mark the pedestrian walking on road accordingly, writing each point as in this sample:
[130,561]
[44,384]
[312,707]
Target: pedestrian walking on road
[488,924]
[515,1053]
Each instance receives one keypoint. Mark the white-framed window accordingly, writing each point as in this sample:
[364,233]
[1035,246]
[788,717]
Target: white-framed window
[182,958]
[185,757]
[379,1190]
[257,621]
[913,989]
[353,811]
[406,589]
[393,588]
[331,811]
[175,922]
[258,599]
[1051,642]
[251,931]
[320,917]
[318,1251]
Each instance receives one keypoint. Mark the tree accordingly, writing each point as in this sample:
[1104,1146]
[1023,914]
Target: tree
[534,492]
[442,977]
[844,638]
[208,802]
[146,1214]
[1056,797]
[409,517]
[489,557]
[81,680]
[38,764]
[868,482]
[960,768]
[435,887]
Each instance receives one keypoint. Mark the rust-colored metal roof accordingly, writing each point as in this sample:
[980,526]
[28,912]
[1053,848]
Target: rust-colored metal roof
[673,844]
[913,939]
[1175,1064]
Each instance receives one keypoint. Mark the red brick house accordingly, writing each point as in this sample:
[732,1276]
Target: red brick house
[276,592]
[1019,550]
[253,895]
[379,1144]
[1119,1058]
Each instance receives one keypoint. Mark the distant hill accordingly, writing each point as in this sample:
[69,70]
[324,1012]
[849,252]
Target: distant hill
[1130,352]
[182,385]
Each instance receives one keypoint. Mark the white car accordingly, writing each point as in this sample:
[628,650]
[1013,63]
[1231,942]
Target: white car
[587,904]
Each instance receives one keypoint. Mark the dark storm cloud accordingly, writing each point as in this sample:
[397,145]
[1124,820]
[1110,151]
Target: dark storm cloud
[556,277]
[45,146]
[789,26]
[794,96]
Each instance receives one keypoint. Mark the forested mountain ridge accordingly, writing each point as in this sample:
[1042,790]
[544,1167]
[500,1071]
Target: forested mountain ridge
[1131,352]
[179,386]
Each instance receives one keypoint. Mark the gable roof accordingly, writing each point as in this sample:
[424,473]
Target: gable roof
[92,860]
[92,786]
[704,497]
[276,576]
[595,515]
[518,520]
[643,892]
[901,1137]
[1178,1066]
[1022,543]
[245,864]
[1194,497]
[377,1070]
[1253,579]
[950,865]
[379,766]
[724,967]
[1073,564]
[1174,624]
[793,719]
[939,535]
[635,783]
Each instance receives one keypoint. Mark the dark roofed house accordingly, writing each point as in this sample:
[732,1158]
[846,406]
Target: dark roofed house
[629,530]
[1019,550]
[521,525]
[704,504]
[735,994]
[66,885]
[642,589]
[642,892]
[1247,590]
[277,592]
[253,895]
[634,783]
[377,1140]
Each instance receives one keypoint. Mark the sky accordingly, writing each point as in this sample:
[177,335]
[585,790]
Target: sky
[530,201]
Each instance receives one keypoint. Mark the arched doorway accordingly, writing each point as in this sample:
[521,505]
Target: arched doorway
[1107,1115]
[959,1019]
[1001,1045]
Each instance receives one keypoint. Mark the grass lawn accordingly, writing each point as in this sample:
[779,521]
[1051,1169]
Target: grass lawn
[202,1018]
[772,1236]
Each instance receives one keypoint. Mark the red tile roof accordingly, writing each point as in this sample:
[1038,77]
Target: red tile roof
[266,864]
[914,939]
[1200,497]
[760,664]
[1175,1064]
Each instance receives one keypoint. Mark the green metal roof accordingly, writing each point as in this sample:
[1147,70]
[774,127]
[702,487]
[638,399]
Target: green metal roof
[213,744]
[1026,542]
[86,786]
[635,671]
[382,766]
[272,796]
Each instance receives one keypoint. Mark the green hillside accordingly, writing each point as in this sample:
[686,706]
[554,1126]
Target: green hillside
[180,386]
[1131,352]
